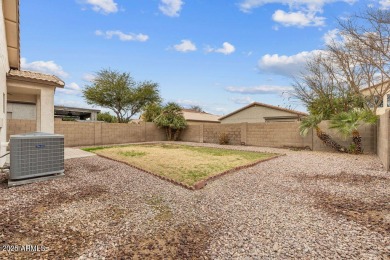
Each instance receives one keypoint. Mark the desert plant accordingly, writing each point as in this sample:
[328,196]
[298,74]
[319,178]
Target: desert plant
[313,121]
[223,139]
[172,119]
[347,124]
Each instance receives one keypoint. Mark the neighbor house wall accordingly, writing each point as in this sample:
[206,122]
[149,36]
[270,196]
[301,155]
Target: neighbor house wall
[384,140]
[254,114]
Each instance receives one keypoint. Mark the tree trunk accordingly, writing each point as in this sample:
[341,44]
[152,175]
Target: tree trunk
[328,141]
[357,140]
[177,134]
[167,132]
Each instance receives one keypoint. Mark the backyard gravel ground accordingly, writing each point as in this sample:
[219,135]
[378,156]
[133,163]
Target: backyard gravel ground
[306,204]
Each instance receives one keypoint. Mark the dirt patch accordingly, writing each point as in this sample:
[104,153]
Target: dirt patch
[181,242]
[374,215]
[162,210]
[343,177]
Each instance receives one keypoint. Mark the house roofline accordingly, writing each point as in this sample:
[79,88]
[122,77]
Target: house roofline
[264,105]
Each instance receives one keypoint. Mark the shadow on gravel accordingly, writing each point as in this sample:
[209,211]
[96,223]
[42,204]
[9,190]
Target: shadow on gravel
[343,177]
[22,225]
[180,242]
[374,215]
[85,165]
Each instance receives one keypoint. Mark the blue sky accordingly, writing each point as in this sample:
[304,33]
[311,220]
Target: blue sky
[218,54]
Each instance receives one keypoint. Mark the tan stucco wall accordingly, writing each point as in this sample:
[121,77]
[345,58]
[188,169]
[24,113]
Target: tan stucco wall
[384,140]
[38,93]
[254,114]
[4,68]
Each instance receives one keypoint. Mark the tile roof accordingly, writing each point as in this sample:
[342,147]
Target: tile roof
[32,75]
[265,105]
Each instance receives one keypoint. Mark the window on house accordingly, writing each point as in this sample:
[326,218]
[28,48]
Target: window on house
[388,100]
[378,101]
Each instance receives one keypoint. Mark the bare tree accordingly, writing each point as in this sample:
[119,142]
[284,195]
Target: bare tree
[367,37]
[358,59]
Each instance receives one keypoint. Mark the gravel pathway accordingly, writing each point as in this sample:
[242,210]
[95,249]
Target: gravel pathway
[303,205]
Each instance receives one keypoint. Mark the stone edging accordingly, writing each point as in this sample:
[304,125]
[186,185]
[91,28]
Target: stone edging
[202,183]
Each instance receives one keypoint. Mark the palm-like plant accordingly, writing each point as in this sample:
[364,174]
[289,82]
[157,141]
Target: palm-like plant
[313,121]
[172,119]
[347,124]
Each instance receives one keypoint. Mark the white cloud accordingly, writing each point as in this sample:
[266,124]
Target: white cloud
[384,4]
[59,101]
[88,77]
[122,36]
[226,49]
[171,7]
[285,65]
[188,102]
[48,67]
[264,89]
[102,6]
[70,89]
[312,5]
[299,19]
[242,100]
[185,46]
[332,36]
[301,12]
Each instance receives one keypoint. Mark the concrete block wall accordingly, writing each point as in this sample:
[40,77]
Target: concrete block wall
[76,133]
[277,134]
[367,132]
[92,133]
[20,126]
[211,133]
[383,138]
[191,133]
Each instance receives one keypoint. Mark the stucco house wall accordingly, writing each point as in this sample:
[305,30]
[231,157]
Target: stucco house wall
[254,114]
[386,105]
[4,68]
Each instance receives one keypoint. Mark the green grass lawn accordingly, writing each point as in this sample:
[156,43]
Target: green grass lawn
[182,163]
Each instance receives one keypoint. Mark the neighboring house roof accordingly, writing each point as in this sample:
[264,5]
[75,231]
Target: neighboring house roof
[298,113]
[76,109]
[192,115]
[376,85]
[31,75]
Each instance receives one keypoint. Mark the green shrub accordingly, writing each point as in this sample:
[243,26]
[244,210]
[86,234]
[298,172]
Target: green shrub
[223,138]
[107,117]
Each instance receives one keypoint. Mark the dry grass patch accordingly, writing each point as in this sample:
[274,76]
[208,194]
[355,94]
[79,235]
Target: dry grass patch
[185,164]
